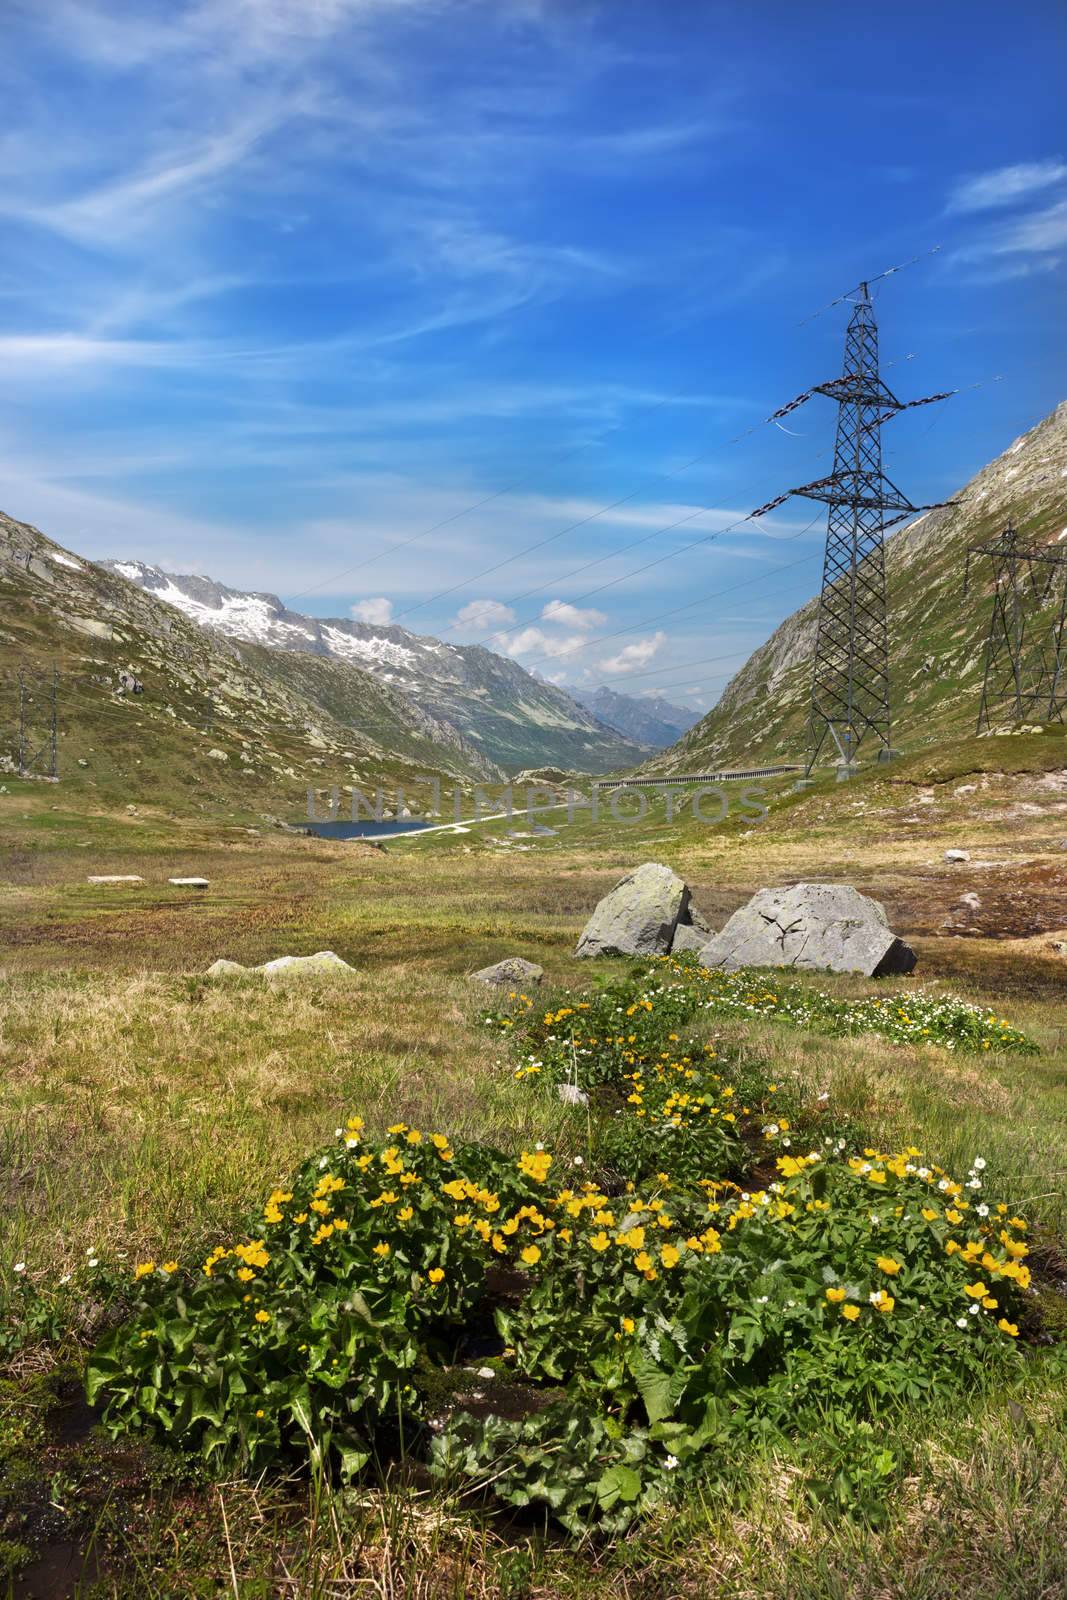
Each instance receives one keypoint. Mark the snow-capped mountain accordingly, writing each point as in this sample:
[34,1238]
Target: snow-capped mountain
[514,718]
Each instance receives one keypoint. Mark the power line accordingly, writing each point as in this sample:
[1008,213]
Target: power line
[888,273]
[476,505]
[675,666]
[662,616]
[670,554]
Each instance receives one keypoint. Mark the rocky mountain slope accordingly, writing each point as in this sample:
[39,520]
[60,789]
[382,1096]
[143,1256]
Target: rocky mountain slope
[937,636]
[514,718]
[153,708]
[649,720]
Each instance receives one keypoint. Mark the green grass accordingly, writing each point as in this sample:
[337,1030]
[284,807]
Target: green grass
[143,1110]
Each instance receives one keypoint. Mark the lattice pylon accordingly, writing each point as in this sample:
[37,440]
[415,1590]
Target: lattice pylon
[850,675]
[850,672]
[1024,672]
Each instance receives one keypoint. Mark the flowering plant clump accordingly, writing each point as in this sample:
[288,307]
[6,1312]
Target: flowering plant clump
[310,1326]
[913,1017]
[666,1303]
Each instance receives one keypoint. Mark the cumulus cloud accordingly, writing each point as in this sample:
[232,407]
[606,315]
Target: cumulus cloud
[572,616]
[636,654]
[483,614]
[1003,186]
[528,640]
[378,611]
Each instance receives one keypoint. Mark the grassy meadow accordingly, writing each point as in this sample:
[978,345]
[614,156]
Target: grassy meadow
[145,1109]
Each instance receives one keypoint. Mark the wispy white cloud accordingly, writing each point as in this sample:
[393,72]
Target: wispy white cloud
[1017,248]
[1005,186]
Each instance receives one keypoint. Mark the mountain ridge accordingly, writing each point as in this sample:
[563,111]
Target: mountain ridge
[649,719]
[155,708]
[516,719]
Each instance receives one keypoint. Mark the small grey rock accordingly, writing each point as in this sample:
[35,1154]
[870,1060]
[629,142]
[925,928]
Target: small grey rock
[226,969]
[571,1095]
[957,855]
[509,972]
[971,899]
[114,877]
[689,937]
[190,883]
[692,931]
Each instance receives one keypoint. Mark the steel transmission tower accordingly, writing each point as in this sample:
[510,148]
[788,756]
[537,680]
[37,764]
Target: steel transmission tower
[850,676]
[37,729]
[1025,670]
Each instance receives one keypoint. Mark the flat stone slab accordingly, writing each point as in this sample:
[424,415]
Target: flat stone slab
[323,961]
[114,877]
[638,917]
[815,926]
[512,972]
[190,883]
[304,966]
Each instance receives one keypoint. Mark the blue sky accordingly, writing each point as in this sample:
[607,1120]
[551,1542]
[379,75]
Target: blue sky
[285,283]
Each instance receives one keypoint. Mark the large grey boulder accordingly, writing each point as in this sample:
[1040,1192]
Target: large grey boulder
[512,971]
[638,917]
[817,926]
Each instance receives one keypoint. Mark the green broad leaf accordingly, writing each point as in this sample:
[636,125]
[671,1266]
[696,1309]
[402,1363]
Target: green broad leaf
[654,1387]
[618,1483]
[179,1334]
[353,1459]
[202,1410]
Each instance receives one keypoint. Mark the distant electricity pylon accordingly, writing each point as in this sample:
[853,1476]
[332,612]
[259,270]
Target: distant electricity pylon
[850,675]
[38,718]
[1025,671]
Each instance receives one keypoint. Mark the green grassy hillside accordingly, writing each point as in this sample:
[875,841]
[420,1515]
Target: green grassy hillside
[937,636]
[216,725]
